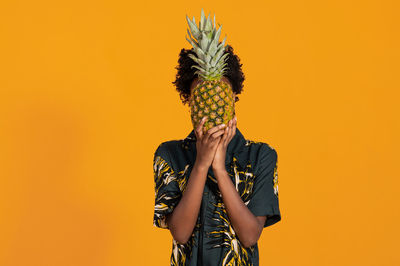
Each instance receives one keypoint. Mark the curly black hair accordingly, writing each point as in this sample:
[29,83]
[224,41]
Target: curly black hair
[186,75]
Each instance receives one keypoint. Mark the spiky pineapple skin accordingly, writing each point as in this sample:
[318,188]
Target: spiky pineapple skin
[214,99]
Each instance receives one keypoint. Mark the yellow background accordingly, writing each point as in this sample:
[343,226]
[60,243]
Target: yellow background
[86,97]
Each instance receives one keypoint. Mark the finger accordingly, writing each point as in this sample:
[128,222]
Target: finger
[199,129]
[215,138]
[212,130]
[216,128]
[220,140]
[217,134]
[217,141]
[234,127]
[228,133]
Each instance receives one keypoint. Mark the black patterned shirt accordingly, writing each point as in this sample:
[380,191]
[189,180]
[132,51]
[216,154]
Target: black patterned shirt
[252,167]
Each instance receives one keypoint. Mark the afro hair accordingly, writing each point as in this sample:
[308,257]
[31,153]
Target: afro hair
[186,75]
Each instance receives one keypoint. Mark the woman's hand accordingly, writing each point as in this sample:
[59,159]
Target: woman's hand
[206,143]
[219,158]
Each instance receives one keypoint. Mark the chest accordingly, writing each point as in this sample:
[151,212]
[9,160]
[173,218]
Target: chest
[242,178]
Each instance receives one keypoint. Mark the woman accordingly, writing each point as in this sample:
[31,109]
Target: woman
[214,191]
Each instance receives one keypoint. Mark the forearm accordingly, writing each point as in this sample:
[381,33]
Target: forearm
[182,220]
[242,219]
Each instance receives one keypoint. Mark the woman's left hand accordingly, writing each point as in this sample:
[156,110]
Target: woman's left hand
[220,154]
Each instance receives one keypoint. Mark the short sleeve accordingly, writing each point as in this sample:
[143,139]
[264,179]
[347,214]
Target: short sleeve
[167,191]
[264,199]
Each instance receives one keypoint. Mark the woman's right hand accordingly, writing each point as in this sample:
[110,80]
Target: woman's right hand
[206,143]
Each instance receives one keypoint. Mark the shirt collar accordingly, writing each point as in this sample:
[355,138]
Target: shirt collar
[236,147]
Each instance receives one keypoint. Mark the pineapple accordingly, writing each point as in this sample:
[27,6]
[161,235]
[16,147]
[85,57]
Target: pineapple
[212,96]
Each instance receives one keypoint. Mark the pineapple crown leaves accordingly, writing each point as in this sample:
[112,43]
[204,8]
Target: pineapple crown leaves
[210,57]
